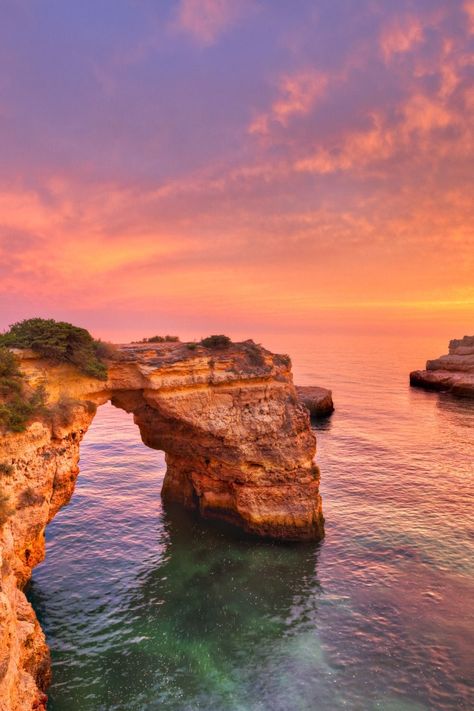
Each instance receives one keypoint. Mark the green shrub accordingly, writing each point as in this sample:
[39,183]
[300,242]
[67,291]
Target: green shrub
[8,364]
[159,339]
[16,405]
[6,508]
[19,409]
[6,468]
[191,346]
[59,342]
[216,342]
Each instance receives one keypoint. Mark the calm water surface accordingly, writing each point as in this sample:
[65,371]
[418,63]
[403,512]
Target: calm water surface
[149,609]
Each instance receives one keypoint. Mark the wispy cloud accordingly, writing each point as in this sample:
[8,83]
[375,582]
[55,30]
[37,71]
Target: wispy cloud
[297,94]
[206,20]
[469,10]
[400,36]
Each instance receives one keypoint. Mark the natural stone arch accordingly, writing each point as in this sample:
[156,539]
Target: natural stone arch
[238,446]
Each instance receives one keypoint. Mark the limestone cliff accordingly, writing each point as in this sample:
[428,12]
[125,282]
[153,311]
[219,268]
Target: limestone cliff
[238,448]
[452,373]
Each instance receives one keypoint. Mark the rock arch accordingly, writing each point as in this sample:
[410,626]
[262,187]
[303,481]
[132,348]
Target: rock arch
[238,448]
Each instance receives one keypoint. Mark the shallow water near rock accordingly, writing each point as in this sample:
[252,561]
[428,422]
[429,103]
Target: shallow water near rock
[146,608]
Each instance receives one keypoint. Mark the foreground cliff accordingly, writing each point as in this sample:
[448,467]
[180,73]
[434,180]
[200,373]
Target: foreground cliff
[238,446]
[452,373]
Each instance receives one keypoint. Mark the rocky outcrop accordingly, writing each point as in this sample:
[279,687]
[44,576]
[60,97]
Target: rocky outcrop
[317,400]
[452,373]
[238,445]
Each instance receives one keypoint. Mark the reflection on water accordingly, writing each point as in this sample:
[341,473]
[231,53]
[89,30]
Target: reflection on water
[151,609]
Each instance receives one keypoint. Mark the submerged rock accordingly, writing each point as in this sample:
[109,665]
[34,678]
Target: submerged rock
[318,400]
[452,373]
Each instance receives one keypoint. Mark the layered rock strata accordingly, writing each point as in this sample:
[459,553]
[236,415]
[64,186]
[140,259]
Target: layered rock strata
[452,373]
[238,447]
[317,400]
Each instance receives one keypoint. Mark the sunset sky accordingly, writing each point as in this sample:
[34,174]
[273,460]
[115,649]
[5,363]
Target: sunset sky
[202,166]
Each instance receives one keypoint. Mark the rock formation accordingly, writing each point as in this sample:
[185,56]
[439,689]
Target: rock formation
[452,373]
[318,400]
[238,447]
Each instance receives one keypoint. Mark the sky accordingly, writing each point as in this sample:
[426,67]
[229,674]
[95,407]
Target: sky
[238,166]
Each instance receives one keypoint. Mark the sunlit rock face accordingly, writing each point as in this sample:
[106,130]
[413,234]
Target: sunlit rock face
[239,449]
[452,373]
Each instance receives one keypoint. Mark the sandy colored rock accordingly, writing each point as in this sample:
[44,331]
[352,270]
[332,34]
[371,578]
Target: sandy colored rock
[238,446]
[452,373]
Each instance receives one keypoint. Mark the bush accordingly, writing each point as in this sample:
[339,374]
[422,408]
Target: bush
[29,497]
[6,468]
[8,364]
[254,354]
[216,342]
[16,406]
[191,346]
[6,508]
[160,339]
[106,350]
[59,342]
[19,409]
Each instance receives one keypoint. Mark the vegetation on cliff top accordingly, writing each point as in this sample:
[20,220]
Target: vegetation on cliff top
[59,342]
[159,339]
[56,341]
[216,341]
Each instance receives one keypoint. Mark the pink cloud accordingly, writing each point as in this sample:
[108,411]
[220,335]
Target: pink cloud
[298,94]
[400,36]
[206,20]
[469,10]
[358,149]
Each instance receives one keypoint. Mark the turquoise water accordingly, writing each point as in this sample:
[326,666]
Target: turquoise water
[146,608]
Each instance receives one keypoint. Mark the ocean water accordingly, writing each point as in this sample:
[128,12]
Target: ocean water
[147,608]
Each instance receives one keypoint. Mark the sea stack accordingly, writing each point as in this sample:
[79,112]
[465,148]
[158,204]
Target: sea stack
[317,400]
[452,373]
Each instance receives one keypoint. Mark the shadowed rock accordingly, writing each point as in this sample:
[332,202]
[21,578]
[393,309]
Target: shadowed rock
[318,400]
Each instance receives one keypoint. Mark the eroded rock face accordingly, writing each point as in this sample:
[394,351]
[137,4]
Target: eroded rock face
[238,446]
[453,372]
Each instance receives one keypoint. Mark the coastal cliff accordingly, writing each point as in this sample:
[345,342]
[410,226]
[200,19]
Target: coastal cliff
[238,446]
[452,373]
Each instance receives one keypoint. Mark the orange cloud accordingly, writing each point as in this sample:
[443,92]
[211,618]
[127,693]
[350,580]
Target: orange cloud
[298,94]
[358,150]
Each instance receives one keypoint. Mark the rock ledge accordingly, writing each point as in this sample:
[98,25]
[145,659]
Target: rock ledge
[452,373]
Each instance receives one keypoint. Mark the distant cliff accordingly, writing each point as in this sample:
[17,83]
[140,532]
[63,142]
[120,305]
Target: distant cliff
[452,373]
[238,446]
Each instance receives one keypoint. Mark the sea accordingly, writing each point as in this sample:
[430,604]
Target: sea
[146,607]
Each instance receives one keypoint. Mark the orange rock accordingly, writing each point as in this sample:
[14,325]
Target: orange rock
[239,449]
